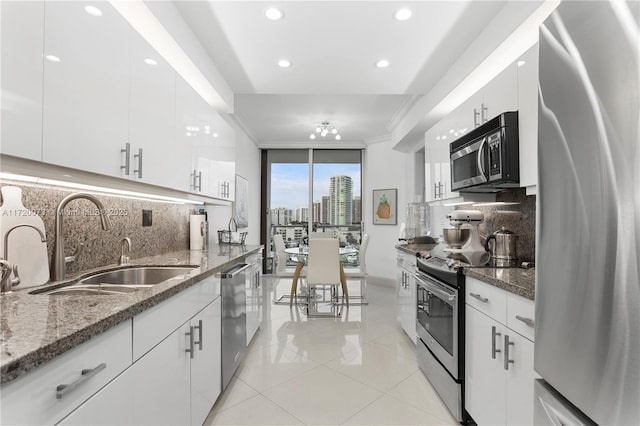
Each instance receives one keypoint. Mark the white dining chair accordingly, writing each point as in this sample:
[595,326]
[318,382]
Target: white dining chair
[324,270]
[282,272]
[360,273]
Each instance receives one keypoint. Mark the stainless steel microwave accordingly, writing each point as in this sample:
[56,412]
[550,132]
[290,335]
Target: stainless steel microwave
[487,158]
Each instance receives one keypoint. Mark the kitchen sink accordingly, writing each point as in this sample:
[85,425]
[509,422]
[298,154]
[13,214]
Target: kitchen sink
[147,275]
[120,281]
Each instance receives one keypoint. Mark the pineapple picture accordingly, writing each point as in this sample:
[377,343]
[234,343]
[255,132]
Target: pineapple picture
[384,208]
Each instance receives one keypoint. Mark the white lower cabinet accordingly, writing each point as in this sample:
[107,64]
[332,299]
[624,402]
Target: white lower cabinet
[175,383]
[406,294]
[53,390]
[206,363]
[499,373]
[254,295]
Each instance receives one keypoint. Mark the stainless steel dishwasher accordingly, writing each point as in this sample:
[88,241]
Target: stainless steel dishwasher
[234,320]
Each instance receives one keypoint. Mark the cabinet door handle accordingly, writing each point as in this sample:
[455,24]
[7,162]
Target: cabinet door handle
[199,342]
[127,163]
[484,113]
[476,118]
[139,157]
[191,341]
[199,181]
[480,298]
[494,334]
[86,374]
[193,180]
[528,321]
[507,343]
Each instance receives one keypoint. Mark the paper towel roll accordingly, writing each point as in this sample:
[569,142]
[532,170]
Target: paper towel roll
[195,231]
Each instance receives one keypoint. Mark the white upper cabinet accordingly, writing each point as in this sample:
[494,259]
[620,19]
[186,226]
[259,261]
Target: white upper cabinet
[528,116]
[500,94]
[21,35]
[152,105]
[86,86]
[211,142]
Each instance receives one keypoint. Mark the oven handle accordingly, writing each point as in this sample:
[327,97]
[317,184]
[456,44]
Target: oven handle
[435,289]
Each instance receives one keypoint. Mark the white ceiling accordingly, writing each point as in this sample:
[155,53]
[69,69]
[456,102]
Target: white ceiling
[333,46]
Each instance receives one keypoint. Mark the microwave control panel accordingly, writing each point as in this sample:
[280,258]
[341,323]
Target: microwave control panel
[495,152]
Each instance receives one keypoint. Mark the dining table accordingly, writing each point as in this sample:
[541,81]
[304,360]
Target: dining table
[301,253]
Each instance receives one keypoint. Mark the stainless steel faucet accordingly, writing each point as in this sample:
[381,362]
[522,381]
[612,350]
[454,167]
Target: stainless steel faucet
[59,262]
[7,283]
[124,259]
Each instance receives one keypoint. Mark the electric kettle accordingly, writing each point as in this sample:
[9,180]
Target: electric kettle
[504,245]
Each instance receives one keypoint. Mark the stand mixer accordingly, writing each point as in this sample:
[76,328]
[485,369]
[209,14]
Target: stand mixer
[455,237]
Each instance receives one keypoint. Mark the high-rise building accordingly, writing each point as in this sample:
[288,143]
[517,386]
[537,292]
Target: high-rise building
[316,213]
[340,200]
[281,216]
[324,218]
[357,210]
[302,214]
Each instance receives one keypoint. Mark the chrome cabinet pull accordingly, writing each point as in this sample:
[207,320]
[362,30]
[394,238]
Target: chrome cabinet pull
[199,181]
[199,327]
[191,341]
[484,113]
[507,343]
[86,374]
[193,180]
[139,157]
[494,334]
[480,298]
[127,163]
[528,321]
[476,118]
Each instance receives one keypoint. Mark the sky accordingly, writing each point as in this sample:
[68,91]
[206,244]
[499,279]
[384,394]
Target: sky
[290,182]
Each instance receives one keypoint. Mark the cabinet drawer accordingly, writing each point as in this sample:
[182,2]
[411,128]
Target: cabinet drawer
[153,325]
[487,299]
[521,315]
[32,399]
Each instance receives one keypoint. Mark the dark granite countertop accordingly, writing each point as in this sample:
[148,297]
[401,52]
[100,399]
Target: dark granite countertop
[514,280]
[36,328]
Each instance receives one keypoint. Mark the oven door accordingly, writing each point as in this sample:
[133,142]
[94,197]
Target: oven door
[437,320]
[468,165]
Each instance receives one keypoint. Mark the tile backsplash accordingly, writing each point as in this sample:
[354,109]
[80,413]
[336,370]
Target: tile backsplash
[169,231]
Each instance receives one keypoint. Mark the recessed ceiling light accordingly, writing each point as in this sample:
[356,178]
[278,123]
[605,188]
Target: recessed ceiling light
[215,135]
[52,58]
[338,137]
[521,63]
[284,63]
[312,136]
[93,11]
[403,14]
[382,63]
[150,61]
[274,13]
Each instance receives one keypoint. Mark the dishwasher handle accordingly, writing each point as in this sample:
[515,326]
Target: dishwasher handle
[236,269]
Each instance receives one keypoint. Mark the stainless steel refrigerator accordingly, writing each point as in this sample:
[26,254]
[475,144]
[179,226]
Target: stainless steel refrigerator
[587,341]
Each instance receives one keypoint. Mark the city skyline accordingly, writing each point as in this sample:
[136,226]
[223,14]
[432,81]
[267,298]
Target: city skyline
[290,183]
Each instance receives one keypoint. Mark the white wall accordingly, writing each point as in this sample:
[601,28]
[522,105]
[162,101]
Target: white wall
[385,168]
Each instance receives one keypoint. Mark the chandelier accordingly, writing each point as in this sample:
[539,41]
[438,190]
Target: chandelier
[325,128]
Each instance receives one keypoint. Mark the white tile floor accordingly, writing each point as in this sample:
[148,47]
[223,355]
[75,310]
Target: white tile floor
[359,369]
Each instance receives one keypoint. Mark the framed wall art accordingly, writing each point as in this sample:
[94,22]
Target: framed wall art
[385,206]
[242,202]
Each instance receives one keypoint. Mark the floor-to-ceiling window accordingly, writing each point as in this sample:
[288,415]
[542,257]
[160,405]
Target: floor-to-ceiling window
[314,191]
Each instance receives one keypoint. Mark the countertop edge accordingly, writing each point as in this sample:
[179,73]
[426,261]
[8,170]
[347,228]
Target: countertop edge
[22,365]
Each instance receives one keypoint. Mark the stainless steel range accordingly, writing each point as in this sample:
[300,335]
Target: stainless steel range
[440,327]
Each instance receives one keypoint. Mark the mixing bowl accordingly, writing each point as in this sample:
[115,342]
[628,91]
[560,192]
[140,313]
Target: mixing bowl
[456,237]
